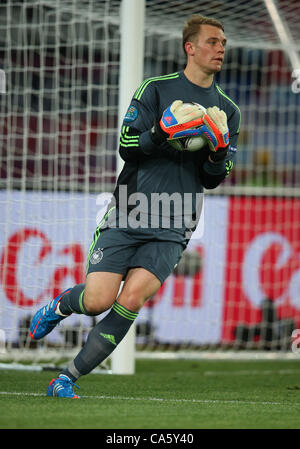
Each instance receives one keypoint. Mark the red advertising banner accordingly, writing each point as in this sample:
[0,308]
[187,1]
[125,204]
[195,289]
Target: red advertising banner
[249,254]
[262,261]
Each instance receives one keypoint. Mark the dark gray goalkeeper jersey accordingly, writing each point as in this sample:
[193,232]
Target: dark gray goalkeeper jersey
[161,173]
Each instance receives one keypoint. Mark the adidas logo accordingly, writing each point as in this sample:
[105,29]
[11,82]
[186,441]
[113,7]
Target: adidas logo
[109,337]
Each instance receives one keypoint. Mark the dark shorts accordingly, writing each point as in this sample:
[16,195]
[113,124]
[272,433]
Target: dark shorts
[116,250]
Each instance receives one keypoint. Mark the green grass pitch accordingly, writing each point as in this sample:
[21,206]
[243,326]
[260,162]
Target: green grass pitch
[161,395]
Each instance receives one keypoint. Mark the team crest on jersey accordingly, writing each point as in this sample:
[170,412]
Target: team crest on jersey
[96,257]
[131,114]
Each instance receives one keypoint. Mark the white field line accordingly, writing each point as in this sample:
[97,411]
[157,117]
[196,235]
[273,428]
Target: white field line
[150,399]
[251,372]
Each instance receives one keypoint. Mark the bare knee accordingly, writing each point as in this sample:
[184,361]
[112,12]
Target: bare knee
[139,285]
[94,304]
[132,300]
[100,292]
[133,297]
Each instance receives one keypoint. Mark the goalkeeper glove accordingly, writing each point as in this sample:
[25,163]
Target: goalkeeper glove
[216,132]
[176,120]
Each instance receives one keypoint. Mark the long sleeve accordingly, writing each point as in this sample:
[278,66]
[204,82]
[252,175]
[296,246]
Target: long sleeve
[135,140]
[136,145]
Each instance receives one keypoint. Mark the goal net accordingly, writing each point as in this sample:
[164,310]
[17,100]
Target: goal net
[236,287]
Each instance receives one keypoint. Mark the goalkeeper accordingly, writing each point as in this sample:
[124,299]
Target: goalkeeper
[144,256]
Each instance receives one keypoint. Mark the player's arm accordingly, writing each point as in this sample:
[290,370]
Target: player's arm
[144,133]
[222,152]
[135,139]
[135,125]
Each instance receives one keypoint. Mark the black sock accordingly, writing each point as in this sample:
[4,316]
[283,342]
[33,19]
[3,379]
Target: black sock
[72,302]
[101,341]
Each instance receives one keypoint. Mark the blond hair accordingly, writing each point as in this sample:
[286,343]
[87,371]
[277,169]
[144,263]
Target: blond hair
[192,27]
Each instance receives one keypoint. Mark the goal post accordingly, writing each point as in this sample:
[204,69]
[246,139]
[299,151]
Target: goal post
[132,16]
[71,68]
[283,34]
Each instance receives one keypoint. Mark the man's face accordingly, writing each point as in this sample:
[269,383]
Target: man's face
[209,49]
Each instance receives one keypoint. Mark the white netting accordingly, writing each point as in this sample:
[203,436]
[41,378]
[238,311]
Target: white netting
[59,140]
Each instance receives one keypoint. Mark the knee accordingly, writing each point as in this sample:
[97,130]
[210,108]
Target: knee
[132,298]
[94,305]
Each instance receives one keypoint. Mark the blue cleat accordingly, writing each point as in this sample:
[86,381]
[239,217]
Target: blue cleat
[45,319]
[62,387]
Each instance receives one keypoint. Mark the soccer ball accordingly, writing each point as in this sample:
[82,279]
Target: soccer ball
[190,143]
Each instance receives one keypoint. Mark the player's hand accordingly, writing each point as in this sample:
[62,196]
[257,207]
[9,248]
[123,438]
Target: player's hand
[216,132]
[176,119]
